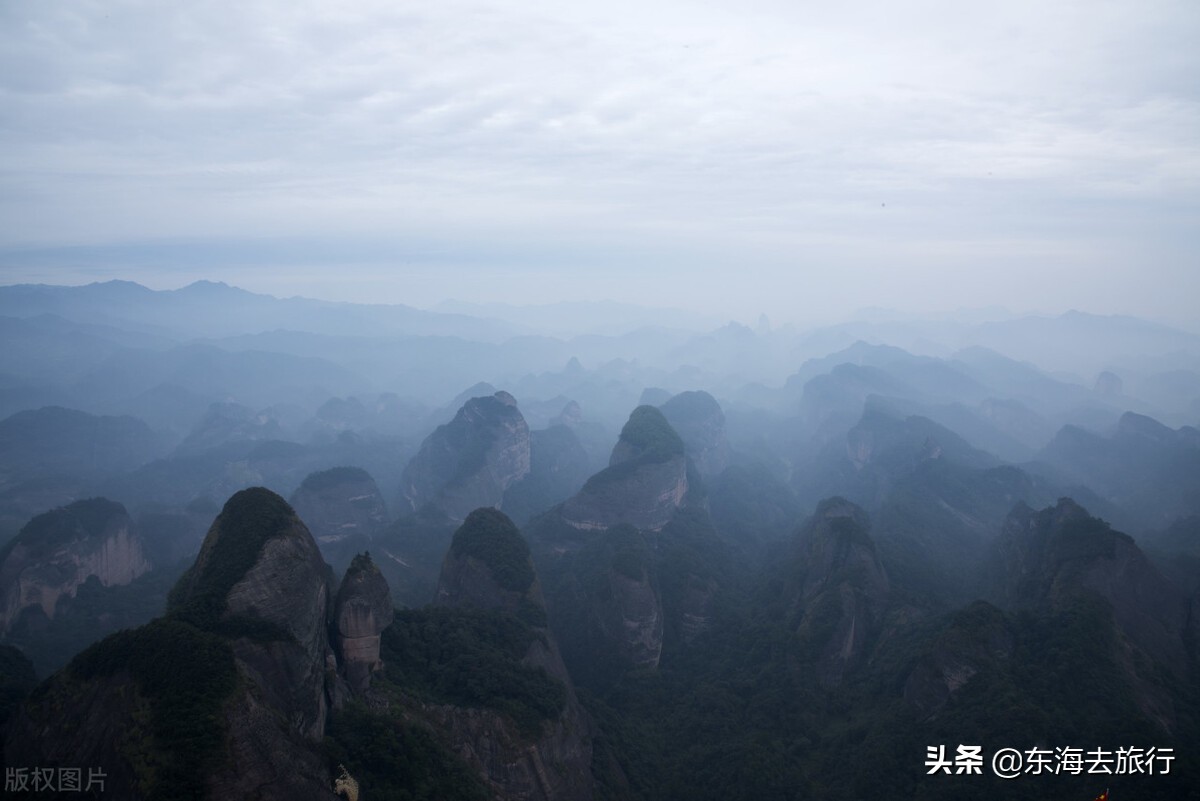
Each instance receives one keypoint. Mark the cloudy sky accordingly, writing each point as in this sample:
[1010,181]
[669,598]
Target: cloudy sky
[797,158]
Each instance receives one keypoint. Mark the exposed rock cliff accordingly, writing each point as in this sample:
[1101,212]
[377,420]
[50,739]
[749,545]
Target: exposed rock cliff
[343,509]
[616,615]
[489,568]
[469,462]
[839,588]
[260,573]
[363,611]
[225,697]
[644,484]
[57,551]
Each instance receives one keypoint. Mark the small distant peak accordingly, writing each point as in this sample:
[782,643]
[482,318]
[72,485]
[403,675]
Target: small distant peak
[571,414]
[131,287]
[479,390]
[692,403]
[734,328]
[573,366]
[1134,426]
[1109,384]
[211,289]
[654,396]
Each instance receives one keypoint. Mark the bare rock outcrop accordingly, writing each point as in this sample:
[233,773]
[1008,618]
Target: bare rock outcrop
[57,551]
[362,611]
[469,462]
[489,567]
[225,696]
[840,588]
[260,580]
[644,484]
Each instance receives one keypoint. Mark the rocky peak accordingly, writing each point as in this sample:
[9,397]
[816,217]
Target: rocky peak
[1109,384]
[835,548]
[1048,558]
[225,696]
[701,424]
[646,435]
[362,611]
[570,416]
[1134,427]
[261,579]
[57,551]
[644,484]
[488,566]
[470,461]
[344,510]
[839,588]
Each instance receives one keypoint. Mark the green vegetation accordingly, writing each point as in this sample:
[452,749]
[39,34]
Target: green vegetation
[471,658]
[76,521]
[327,479]
[653,440]
[649,432]
[185,675]
[392,759]
[489,536]
[93,613]
[361,563]
[250,518]
[740,712]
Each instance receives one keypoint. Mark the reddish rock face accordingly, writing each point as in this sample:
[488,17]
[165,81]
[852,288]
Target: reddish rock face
[57,551]
[363,610]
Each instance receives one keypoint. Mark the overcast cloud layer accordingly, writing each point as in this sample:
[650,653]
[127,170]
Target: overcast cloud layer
[785,157]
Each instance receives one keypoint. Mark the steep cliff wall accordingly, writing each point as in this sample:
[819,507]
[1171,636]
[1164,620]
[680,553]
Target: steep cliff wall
[57,551]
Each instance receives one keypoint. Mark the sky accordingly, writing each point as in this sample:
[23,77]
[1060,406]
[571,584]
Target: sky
[801,159]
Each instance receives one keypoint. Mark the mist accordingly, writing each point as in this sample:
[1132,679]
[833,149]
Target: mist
[644,402]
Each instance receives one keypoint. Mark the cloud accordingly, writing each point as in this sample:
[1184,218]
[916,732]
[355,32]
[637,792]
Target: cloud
[546,133]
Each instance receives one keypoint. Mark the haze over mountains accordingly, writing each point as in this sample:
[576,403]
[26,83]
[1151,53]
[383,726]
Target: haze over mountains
[590,550]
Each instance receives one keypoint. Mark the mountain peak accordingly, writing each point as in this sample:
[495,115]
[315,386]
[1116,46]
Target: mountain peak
[647,434]
[236,549]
